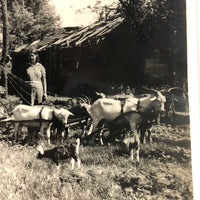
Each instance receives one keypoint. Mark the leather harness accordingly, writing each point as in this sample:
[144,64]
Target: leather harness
[40,116]
[123,102]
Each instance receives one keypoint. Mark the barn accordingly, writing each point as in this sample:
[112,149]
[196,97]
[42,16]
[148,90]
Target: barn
[100,55]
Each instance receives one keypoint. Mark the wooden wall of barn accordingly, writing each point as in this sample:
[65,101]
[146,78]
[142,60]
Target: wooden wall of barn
[112,60]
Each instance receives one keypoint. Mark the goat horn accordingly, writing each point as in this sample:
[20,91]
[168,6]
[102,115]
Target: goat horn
[177,88]
[151,90]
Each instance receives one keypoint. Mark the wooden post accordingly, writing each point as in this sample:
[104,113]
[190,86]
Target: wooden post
[5,28]
[5,37]
[6,81]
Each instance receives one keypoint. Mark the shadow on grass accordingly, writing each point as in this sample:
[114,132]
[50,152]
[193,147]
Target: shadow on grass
[174,143]
[151,154]
[71,177]
[120,153]
[126,182]
[166,155]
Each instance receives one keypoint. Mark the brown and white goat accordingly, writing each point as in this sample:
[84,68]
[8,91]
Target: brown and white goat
[68,151]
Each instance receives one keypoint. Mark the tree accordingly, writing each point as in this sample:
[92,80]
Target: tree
[5,29]
[159,24]
[30,20]
[5,38]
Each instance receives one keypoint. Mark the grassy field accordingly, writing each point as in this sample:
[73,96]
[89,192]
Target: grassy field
[164,171]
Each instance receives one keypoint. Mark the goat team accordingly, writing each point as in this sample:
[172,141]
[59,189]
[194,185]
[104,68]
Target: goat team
[139,113]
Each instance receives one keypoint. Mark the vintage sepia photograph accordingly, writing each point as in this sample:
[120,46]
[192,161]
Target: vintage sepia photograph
[95,100]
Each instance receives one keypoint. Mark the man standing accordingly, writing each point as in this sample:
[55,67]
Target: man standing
[37,79]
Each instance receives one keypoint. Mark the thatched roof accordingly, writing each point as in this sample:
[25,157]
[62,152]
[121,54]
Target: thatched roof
[95,31]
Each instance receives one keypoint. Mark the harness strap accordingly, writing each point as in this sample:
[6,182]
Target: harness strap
[138,105]
[40,116]
[122,102]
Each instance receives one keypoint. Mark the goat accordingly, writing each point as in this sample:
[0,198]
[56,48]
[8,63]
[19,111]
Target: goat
[61,152]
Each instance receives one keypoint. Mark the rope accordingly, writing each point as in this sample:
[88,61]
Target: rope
[16,77]
[4,106]
[20,86]
[25,83]
[19,93]
[13,81]
[22,89]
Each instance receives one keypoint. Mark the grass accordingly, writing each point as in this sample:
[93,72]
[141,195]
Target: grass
[164,172]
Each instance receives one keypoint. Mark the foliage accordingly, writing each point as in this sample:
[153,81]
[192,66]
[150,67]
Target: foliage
[33,5]
[154,25]
[105,9]
[146,17]
[20,26]
[31,20]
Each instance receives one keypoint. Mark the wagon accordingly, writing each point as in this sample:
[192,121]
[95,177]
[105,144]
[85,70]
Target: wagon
[7,125]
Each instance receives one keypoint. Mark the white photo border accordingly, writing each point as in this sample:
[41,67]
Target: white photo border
[193,33]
